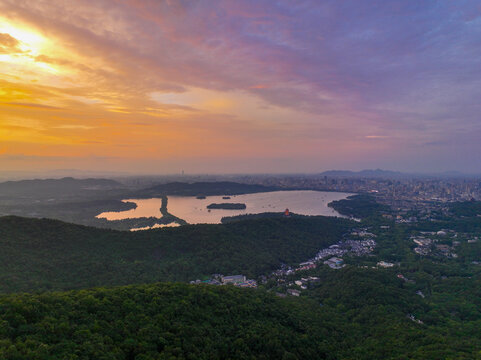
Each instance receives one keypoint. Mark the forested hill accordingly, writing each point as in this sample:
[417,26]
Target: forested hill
[359,206]
[54,187]
[164,321]
[361,317]
[42,254]
[205,189]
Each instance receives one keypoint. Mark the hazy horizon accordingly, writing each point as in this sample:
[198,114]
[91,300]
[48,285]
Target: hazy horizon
[80,174]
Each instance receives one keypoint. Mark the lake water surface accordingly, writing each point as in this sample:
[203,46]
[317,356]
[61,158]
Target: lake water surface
[194,211]
[302,202]
[145,208]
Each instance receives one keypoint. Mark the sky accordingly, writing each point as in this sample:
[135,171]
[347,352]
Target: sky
[151,86]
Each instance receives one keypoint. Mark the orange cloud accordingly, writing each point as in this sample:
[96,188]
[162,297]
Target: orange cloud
[8,44]
[159,80]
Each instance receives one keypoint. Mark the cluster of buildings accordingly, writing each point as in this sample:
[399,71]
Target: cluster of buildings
[331,256]
[387,187]
[292,292]
[353,247]
[423,245]
[411,198]
[334,263]
[305,266]
[304,282]
[413,319]
[301,284]
[405,279]
[385,264]
[333,250]
[287,270]
[236,280]
[428,245]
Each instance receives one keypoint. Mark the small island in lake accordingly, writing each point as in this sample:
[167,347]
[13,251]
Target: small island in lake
[227,206]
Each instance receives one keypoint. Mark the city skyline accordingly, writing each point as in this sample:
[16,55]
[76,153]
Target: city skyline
[233,87]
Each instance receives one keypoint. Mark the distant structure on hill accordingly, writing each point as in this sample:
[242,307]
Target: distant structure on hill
[287,213]
[233,279]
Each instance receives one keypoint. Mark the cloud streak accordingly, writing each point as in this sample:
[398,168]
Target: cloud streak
[189,79]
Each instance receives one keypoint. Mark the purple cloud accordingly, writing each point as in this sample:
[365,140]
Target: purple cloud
[409,69]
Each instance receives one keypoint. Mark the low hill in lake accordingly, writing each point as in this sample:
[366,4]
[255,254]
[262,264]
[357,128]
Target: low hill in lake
[227,206]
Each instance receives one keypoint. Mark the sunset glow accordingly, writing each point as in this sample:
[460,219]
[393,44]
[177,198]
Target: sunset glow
[161,86]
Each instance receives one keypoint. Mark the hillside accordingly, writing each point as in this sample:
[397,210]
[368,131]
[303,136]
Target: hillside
[205,189]
[162,321]
[359,206]
[362,316]
[67,199]
[41,254]
[54,187]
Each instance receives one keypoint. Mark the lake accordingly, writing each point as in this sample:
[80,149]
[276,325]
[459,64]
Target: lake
[145,208]
[194,211]
[302,202]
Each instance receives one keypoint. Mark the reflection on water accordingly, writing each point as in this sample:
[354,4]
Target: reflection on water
[145,208]
[156,226]
[194,211]
[303,202]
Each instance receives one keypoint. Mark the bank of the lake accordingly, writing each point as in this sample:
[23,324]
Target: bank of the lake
[194,210]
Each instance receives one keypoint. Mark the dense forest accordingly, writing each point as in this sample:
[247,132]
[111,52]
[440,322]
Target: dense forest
[227,206]
[358,206]
[162,321]
[53,188]
[41,254]
[466,209]
[354,315]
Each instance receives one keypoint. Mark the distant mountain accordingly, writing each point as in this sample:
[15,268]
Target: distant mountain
[363,173]
[205,188]
[60,173]
[55,186]
[379,173]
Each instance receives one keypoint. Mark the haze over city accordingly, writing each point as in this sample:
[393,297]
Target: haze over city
[240,86]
